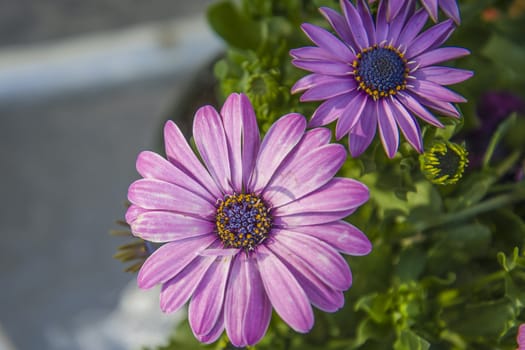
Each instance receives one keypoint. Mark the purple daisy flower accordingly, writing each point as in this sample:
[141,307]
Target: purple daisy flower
[378,74]
[449,7]
[257,226]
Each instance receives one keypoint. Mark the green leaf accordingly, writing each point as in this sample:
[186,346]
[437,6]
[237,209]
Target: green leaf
[471,190]
[514,293]
[509,226]
[408,340]
[452,126]
[488,320]
[457,245]
[233,26]
[508,57]
[411,263]
[500,133]
[510,263]
[368,330]
[376,306]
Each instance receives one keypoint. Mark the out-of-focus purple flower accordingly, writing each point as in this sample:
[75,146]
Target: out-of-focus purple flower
[449,7]
[379,74]
[257,226]
[495,106]
[520,337]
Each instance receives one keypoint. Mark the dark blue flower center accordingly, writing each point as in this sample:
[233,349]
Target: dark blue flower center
[242,221]
[380,71]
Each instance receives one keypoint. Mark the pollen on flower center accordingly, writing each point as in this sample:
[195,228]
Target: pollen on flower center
[380,71]
[242,220]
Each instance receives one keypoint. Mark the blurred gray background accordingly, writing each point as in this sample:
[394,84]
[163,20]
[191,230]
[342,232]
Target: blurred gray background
[84,86]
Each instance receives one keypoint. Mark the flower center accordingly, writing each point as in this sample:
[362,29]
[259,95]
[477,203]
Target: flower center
[242,220]
[380,71]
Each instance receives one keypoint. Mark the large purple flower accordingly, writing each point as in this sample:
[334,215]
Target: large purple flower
[258,225]
[378,74]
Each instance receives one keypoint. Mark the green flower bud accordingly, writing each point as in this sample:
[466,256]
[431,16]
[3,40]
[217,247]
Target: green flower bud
[444,163]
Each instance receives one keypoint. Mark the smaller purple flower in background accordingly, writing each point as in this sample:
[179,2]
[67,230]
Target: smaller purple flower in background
[494,106]
[378,74]
[257,226]
[520,337]
[492,109]
[449,7]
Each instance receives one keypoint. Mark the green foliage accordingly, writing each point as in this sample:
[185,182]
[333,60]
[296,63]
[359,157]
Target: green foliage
[260,35]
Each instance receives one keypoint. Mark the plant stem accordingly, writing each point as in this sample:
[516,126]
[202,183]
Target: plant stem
[488,205]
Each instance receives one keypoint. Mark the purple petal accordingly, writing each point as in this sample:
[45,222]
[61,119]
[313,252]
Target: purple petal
[325,40]
[214,333]
[159,195]
[210,139]
[415,107]
[313,53]
[133,212]
[282,137]
[324,67]
[433,91]
[152,166]
[329,110]
[320,295]
[242,134]
[207,303]
[161,226]
[382,25]
[219,252]
[443,75]
[351,115]
[182,156]
[368,22]
[340,194]
[338,22]
[442,107]
[409,127]
[304,174]
[450,7]
[309,81]
[520,338]
[312,139]
[412,28]
[247,309]
[333,87]
[340,234]
[432,8]
[285,293]
[312,257]
[315,138]
[170,259]
[397,23]
[394,6]
[355,24]
[177,291]
[431,37]
[311,218]
[364,130]
[440,55]
[387,127]
[444,37]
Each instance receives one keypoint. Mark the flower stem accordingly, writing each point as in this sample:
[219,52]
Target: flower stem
[488,205]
